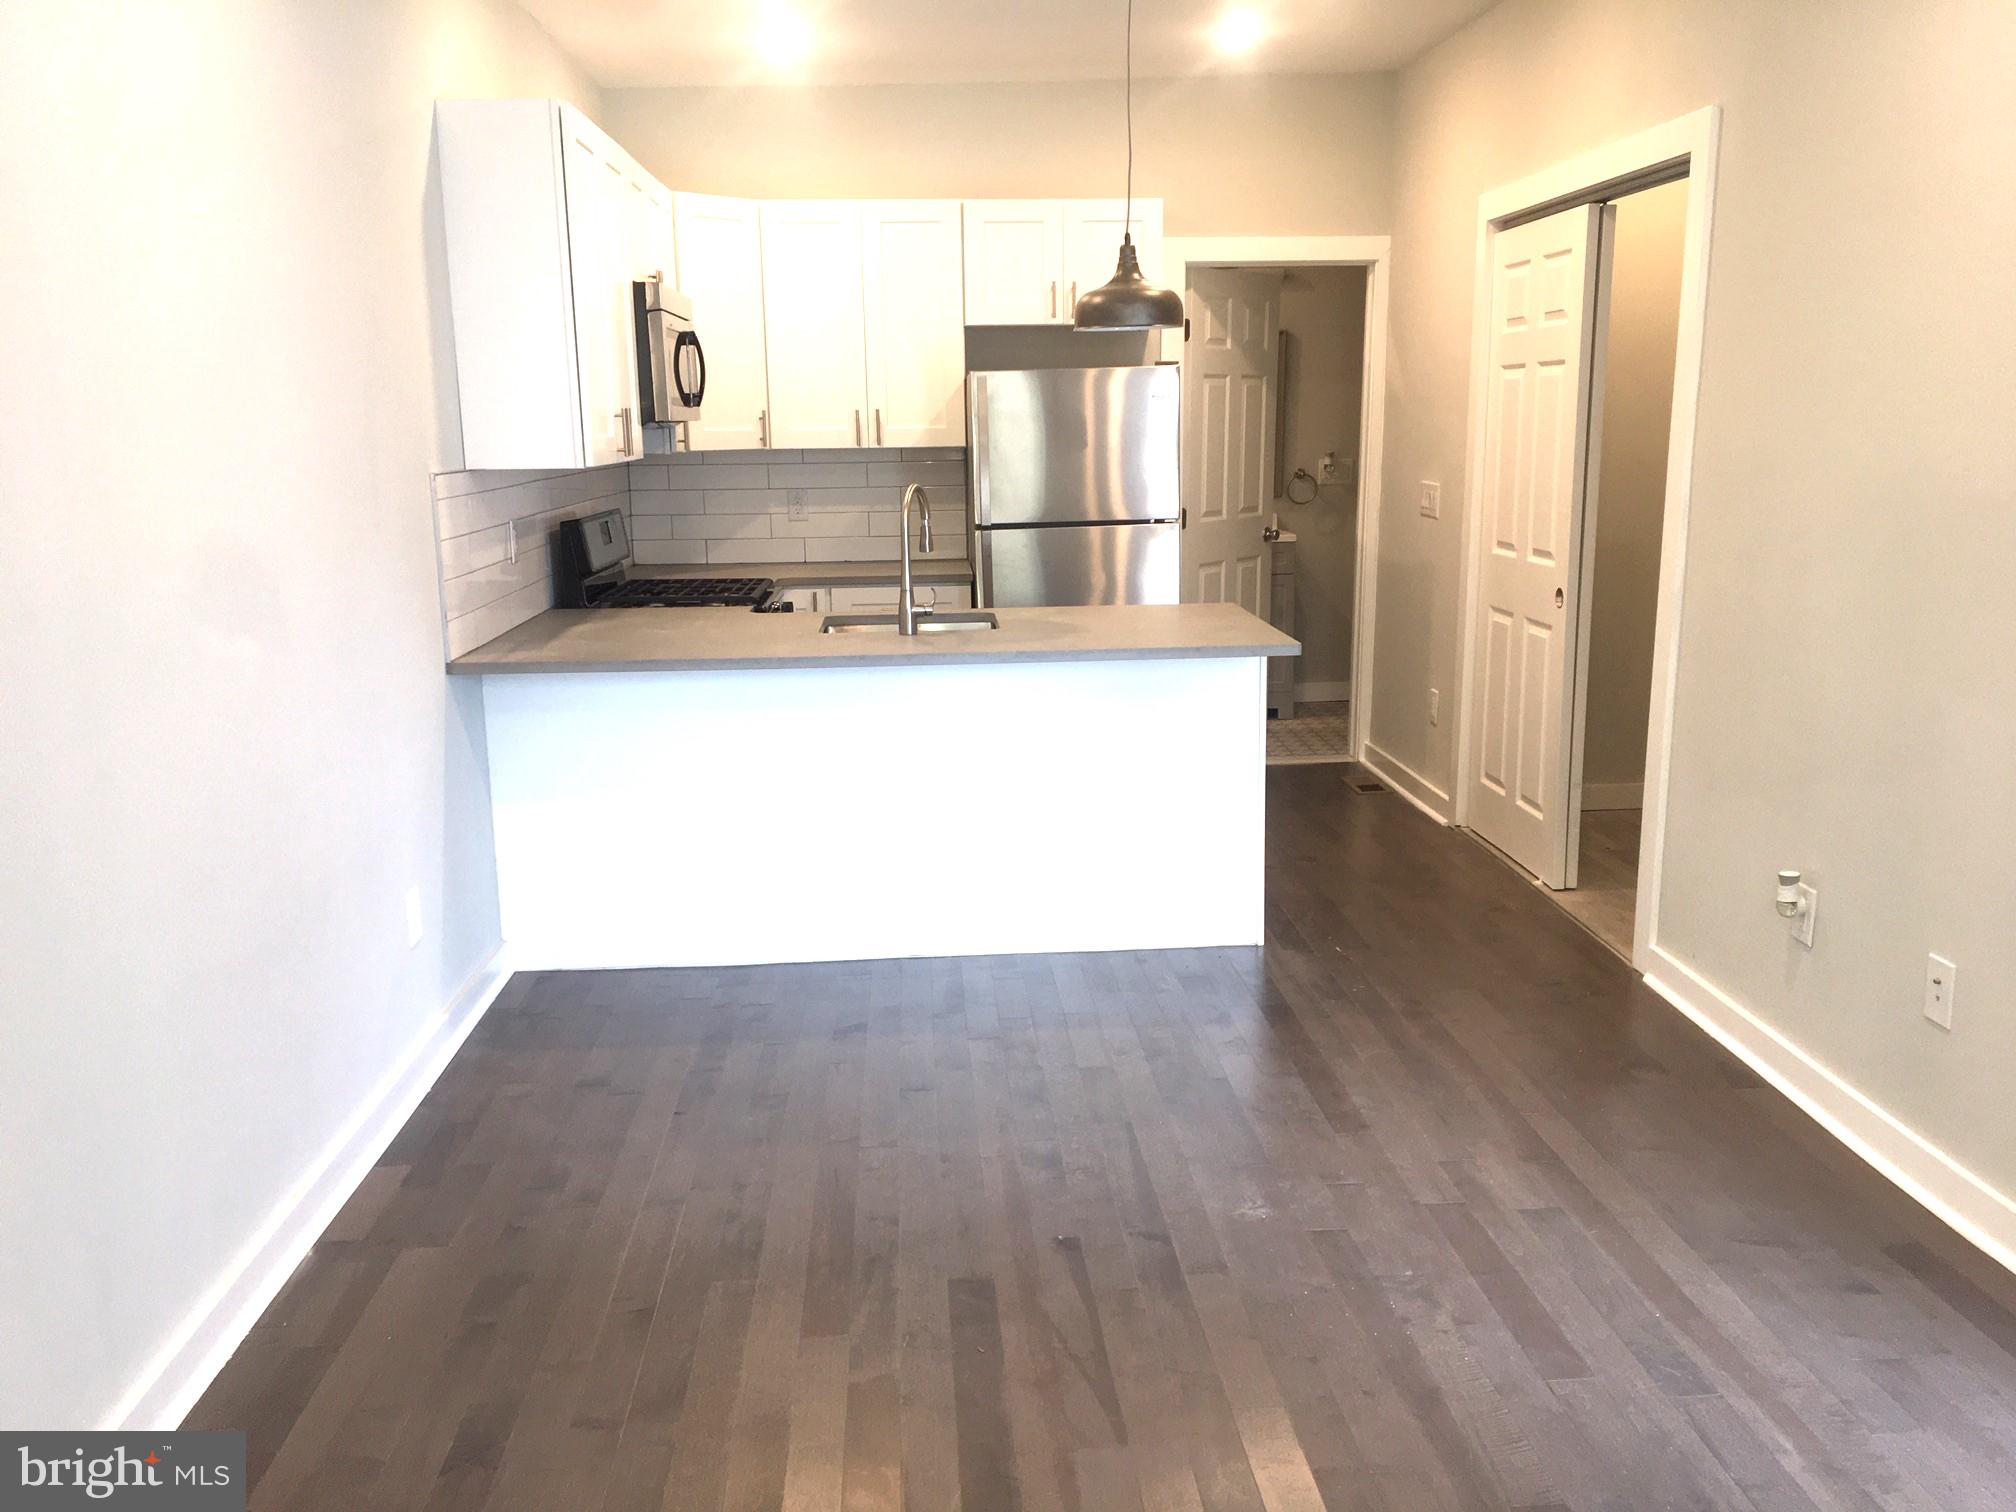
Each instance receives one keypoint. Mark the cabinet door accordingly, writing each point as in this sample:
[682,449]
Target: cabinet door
[816,331]
[914,292]
[647,251]
[1015,262]
[1092,232]
[598,211]
[720,249]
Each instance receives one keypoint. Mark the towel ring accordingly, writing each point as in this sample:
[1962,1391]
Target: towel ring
[1301,475]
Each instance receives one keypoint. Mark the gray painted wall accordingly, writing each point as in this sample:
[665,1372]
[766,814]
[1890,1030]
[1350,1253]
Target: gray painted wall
[1846,699]
[227,760]
[1650,229]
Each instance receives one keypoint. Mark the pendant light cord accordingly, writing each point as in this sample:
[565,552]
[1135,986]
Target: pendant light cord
[1127,223]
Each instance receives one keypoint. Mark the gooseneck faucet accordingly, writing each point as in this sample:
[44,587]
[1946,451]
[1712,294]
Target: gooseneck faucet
[906,608]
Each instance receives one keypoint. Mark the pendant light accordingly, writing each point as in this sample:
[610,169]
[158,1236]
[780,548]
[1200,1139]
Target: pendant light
[1127,301]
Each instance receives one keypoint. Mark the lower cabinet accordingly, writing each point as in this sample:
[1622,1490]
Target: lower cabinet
[881,598]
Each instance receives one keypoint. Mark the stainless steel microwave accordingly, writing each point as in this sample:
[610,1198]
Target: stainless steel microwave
[671,367]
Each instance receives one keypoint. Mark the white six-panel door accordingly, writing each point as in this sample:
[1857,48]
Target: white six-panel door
[721,270]
[1535,476]
[816,331]
[914,296]
[1230,370]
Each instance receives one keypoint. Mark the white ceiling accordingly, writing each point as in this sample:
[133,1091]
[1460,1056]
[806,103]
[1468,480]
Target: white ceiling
[628,43]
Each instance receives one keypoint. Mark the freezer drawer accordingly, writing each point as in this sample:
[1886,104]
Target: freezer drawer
[1076,564]
[1068,444]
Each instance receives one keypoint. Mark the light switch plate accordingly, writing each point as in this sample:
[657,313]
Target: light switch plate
[1942,979]
[1802,926]
[1431,500]
[416,921]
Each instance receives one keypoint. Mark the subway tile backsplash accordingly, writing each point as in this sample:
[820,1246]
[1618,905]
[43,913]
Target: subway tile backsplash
[688,509]
[486,589]
[737,506]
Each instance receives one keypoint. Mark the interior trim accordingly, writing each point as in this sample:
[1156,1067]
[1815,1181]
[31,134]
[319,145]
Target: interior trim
[183,1368]
[1408,783]
[1967,1204]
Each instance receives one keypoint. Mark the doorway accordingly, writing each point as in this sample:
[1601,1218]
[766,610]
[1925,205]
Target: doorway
[1591,297]
[1283,390]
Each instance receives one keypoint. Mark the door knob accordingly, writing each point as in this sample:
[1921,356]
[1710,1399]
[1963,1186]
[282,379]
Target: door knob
[1560,599]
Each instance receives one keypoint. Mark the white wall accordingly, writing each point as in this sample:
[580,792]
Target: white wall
[1279,156]
[1846,699]
[1323,309]
[229,744]
[1648,238]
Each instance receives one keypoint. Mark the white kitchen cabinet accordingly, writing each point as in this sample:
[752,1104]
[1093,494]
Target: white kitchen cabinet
[815,323]
[720,246]
[881,598]
[1027,261]
[1014,262]
[546,221]
[1092,232]
[914,302]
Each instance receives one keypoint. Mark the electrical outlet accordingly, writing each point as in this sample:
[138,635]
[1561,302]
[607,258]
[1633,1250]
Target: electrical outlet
[796,500]
[1431,500]
[416,923]
[1434,706]
[1942,977]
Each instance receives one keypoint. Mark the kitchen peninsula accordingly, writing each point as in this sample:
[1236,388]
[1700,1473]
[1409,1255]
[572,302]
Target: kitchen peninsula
[710,787]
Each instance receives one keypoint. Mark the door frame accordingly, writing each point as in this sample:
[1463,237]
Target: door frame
[1375,255]
[1686,146]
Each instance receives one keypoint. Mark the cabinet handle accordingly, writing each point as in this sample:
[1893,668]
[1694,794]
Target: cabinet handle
[1053,299]
[762,427]
[878,425]
[857,427]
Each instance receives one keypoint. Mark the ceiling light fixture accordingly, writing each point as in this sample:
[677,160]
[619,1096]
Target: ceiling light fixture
[1239,31]
[783,37]
[1127,301]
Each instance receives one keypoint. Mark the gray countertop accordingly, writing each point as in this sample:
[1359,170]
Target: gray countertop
[692,640]
[926,571]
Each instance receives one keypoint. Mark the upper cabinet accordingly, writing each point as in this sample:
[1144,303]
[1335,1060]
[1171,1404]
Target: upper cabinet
[916,328]
[721,270]
[815,325]
[547,222]
[1014,262]
[1027,261]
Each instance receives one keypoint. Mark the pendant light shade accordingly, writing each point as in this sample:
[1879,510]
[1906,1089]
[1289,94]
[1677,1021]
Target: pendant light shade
[1127,301]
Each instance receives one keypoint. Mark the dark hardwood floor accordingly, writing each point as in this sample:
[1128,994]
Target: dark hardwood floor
[1430,1205]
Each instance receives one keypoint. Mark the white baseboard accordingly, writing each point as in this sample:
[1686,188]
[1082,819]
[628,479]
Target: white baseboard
[1975,1210]
[1323,692]
[1408,783]
[184,1367]
[1613,795]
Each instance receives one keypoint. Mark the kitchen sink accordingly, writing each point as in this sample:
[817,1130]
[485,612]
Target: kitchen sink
[929,622]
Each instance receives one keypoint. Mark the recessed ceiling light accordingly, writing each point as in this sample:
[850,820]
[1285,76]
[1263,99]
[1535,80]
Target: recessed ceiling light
[1239,30]
[783,37]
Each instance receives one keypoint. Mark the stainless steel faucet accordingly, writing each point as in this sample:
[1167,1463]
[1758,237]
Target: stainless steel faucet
[906,607]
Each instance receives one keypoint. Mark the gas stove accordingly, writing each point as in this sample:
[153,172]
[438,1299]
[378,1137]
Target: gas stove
[683,593]
[590,571]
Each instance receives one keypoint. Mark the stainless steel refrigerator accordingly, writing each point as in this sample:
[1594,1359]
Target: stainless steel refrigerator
[1072,477]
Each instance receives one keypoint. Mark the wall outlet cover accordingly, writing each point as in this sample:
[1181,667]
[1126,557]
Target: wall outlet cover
[1802,926]
[1434,706]
[416,921]
[797,503]
[1942,979]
